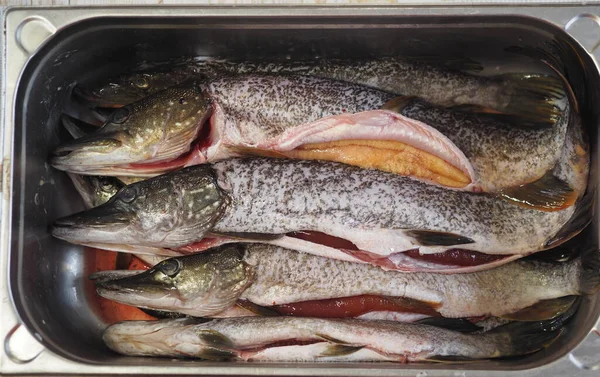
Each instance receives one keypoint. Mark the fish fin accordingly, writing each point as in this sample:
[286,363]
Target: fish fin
[434,238]
[397,104]
[534,96]
[214,339]
[248,236]
[590,276]
[215,354]
[456,324]
[520,331]
[543,310]
[160,314]
[331,339]
[559,254]
[581,217]
[104,112]
[339,350]
[76,128]
[548,193]
[257,309]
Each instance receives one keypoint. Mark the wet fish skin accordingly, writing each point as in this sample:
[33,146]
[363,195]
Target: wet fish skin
[248,338]
[502,154]
[376,211]
[95,190]
[372,209]
[154,129]
[186,285]
[279,276]
[428,79]
[168,209]
[128,88]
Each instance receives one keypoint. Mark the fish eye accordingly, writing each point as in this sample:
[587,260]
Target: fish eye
[128,195]
[120,115]
[105,184]
[170,267]
[141,82]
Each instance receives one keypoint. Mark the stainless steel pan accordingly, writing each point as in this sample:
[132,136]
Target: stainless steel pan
[43,281]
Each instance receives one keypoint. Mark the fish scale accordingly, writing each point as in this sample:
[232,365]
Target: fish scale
[373,209]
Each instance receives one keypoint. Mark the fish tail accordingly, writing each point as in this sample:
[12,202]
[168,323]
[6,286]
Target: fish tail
[534,97]
[526,337]
[581,217]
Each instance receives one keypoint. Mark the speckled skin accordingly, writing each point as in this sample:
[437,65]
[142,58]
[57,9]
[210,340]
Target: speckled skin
[502,154]
[395,75]
[155,129]
[284,276]
[372,209]
[207,284]
[255,108]
[393,341]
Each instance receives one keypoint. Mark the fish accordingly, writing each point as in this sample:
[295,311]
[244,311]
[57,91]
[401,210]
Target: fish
[336,121]
[324,340]
[444,82]
[323,208]
[95,190]
[288,282]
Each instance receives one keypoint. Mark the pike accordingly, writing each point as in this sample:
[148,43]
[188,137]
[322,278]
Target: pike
[324,208]
[208,121]
[286,282]
[313,339]
[437,81]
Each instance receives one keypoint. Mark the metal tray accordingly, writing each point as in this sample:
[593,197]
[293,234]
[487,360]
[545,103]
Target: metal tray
[43,281]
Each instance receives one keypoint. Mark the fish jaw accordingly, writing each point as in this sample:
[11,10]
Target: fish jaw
[198,285]
[167,211]
[155,130]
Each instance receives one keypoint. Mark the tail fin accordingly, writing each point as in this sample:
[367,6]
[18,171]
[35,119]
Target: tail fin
[582,216]
[529,337]
[535,97]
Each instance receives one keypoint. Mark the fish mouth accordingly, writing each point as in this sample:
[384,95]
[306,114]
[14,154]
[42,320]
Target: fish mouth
[98,100]
[92,150]
[140,289]
[95,225]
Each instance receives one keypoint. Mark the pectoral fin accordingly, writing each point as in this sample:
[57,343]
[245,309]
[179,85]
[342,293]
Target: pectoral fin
[548,193]
[434,238]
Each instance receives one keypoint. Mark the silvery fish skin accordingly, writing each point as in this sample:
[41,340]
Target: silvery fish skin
[312,339]
[430,80]
[209,283]
[262,200]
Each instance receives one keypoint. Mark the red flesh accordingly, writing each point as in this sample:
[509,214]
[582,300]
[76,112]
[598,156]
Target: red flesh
[354,306]
[456,257]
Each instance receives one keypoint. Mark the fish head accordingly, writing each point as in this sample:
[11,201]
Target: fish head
[157,129]
[199,284]
[95,190]
[167,211]
[128,88]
